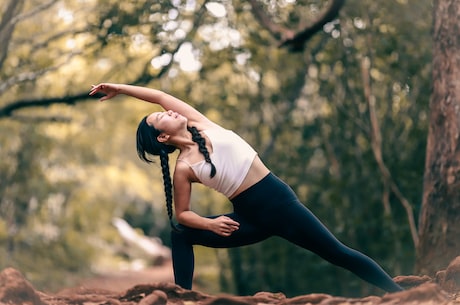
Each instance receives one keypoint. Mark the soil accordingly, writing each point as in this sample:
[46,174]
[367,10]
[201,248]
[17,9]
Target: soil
[155,287]
[123,280]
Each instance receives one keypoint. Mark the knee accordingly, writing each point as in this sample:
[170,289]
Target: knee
[176,234]
[179,243]
[339,254]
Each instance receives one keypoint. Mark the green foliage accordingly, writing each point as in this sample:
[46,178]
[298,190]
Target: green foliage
[34,237]
[66,171]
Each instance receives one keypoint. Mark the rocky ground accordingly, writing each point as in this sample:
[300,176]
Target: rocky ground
[443,289]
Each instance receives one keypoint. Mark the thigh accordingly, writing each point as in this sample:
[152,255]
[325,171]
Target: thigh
[273,206]
[300,226]
[246,234]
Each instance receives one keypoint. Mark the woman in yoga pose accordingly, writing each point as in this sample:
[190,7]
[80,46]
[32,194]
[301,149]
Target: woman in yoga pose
[263,205]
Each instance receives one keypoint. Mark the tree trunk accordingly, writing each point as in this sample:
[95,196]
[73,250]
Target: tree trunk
[439,227]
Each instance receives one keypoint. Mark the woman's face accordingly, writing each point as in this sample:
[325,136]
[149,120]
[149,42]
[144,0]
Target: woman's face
[168,122]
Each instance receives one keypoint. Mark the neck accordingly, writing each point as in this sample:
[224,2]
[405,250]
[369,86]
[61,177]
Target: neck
[183,141]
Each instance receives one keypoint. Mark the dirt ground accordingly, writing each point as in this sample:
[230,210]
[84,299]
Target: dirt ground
[155,287]
[123,280]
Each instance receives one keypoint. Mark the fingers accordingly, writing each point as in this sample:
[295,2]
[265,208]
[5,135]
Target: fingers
[95,88]
[224,225]
[230,221]
[228,226]
[227,232]
[102,88]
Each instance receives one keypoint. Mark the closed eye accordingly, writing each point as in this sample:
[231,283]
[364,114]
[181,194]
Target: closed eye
[159,116]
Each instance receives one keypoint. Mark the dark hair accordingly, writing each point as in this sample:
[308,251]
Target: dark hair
[148,144]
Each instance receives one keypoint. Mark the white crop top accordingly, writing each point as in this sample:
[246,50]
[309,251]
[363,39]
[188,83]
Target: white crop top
[232,157]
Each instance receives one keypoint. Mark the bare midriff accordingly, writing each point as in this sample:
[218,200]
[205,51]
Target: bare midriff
[256,172]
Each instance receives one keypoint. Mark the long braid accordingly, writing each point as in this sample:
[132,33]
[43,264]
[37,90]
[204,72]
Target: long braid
[197,138]
[164,158]
[148,144]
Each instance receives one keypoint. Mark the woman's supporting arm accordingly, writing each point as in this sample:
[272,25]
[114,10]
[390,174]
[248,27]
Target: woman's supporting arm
[221,225]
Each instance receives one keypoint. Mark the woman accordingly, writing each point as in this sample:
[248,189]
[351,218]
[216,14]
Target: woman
[263,205]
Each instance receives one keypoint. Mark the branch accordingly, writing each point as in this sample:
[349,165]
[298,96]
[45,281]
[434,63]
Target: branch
[30,76]
[27,119]
[376,143]
[45,43]
[7,110]
[144,78]
[37,9]
[295,40]
[7,27]
[11,17]
[298,41]
[277,31]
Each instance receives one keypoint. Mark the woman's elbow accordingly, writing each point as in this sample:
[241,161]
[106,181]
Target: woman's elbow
[181,218]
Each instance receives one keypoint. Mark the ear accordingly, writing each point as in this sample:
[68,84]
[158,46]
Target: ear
[163,137]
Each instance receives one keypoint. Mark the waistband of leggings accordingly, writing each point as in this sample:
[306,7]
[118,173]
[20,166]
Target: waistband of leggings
[260,186]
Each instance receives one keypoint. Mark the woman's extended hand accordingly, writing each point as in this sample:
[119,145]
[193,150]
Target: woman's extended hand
[109,90]
[224,225]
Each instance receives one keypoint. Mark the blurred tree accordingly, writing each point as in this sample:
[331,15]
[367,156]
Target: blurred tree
[341,117]
[323,140]
[440,215]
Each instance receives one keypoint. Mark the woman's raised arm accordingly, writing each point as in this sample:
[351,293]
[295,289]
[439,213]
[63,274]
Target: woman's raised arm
[165,100]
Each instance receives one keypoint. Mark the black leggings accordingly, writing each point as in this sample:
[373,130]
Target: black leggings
[270,208]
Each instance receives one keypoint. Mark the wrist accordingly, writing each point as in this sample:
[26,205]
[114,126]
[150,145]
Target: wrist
[207,223]
[121,89]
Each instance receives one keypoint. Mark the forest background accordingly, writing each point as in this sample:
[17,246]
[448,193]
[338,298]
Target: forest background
[343,119]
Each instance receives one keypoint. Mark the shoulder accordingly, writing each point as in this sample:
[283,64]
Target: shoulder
[205,125]
[183,173]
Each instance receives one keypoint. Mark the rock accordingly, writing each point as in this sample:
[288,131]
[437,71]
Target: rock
[230,300]
[158,297]
[15,289]
[449,279]
[313,298]
[410,281]
[264,296]
[170,290]
[428,293]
